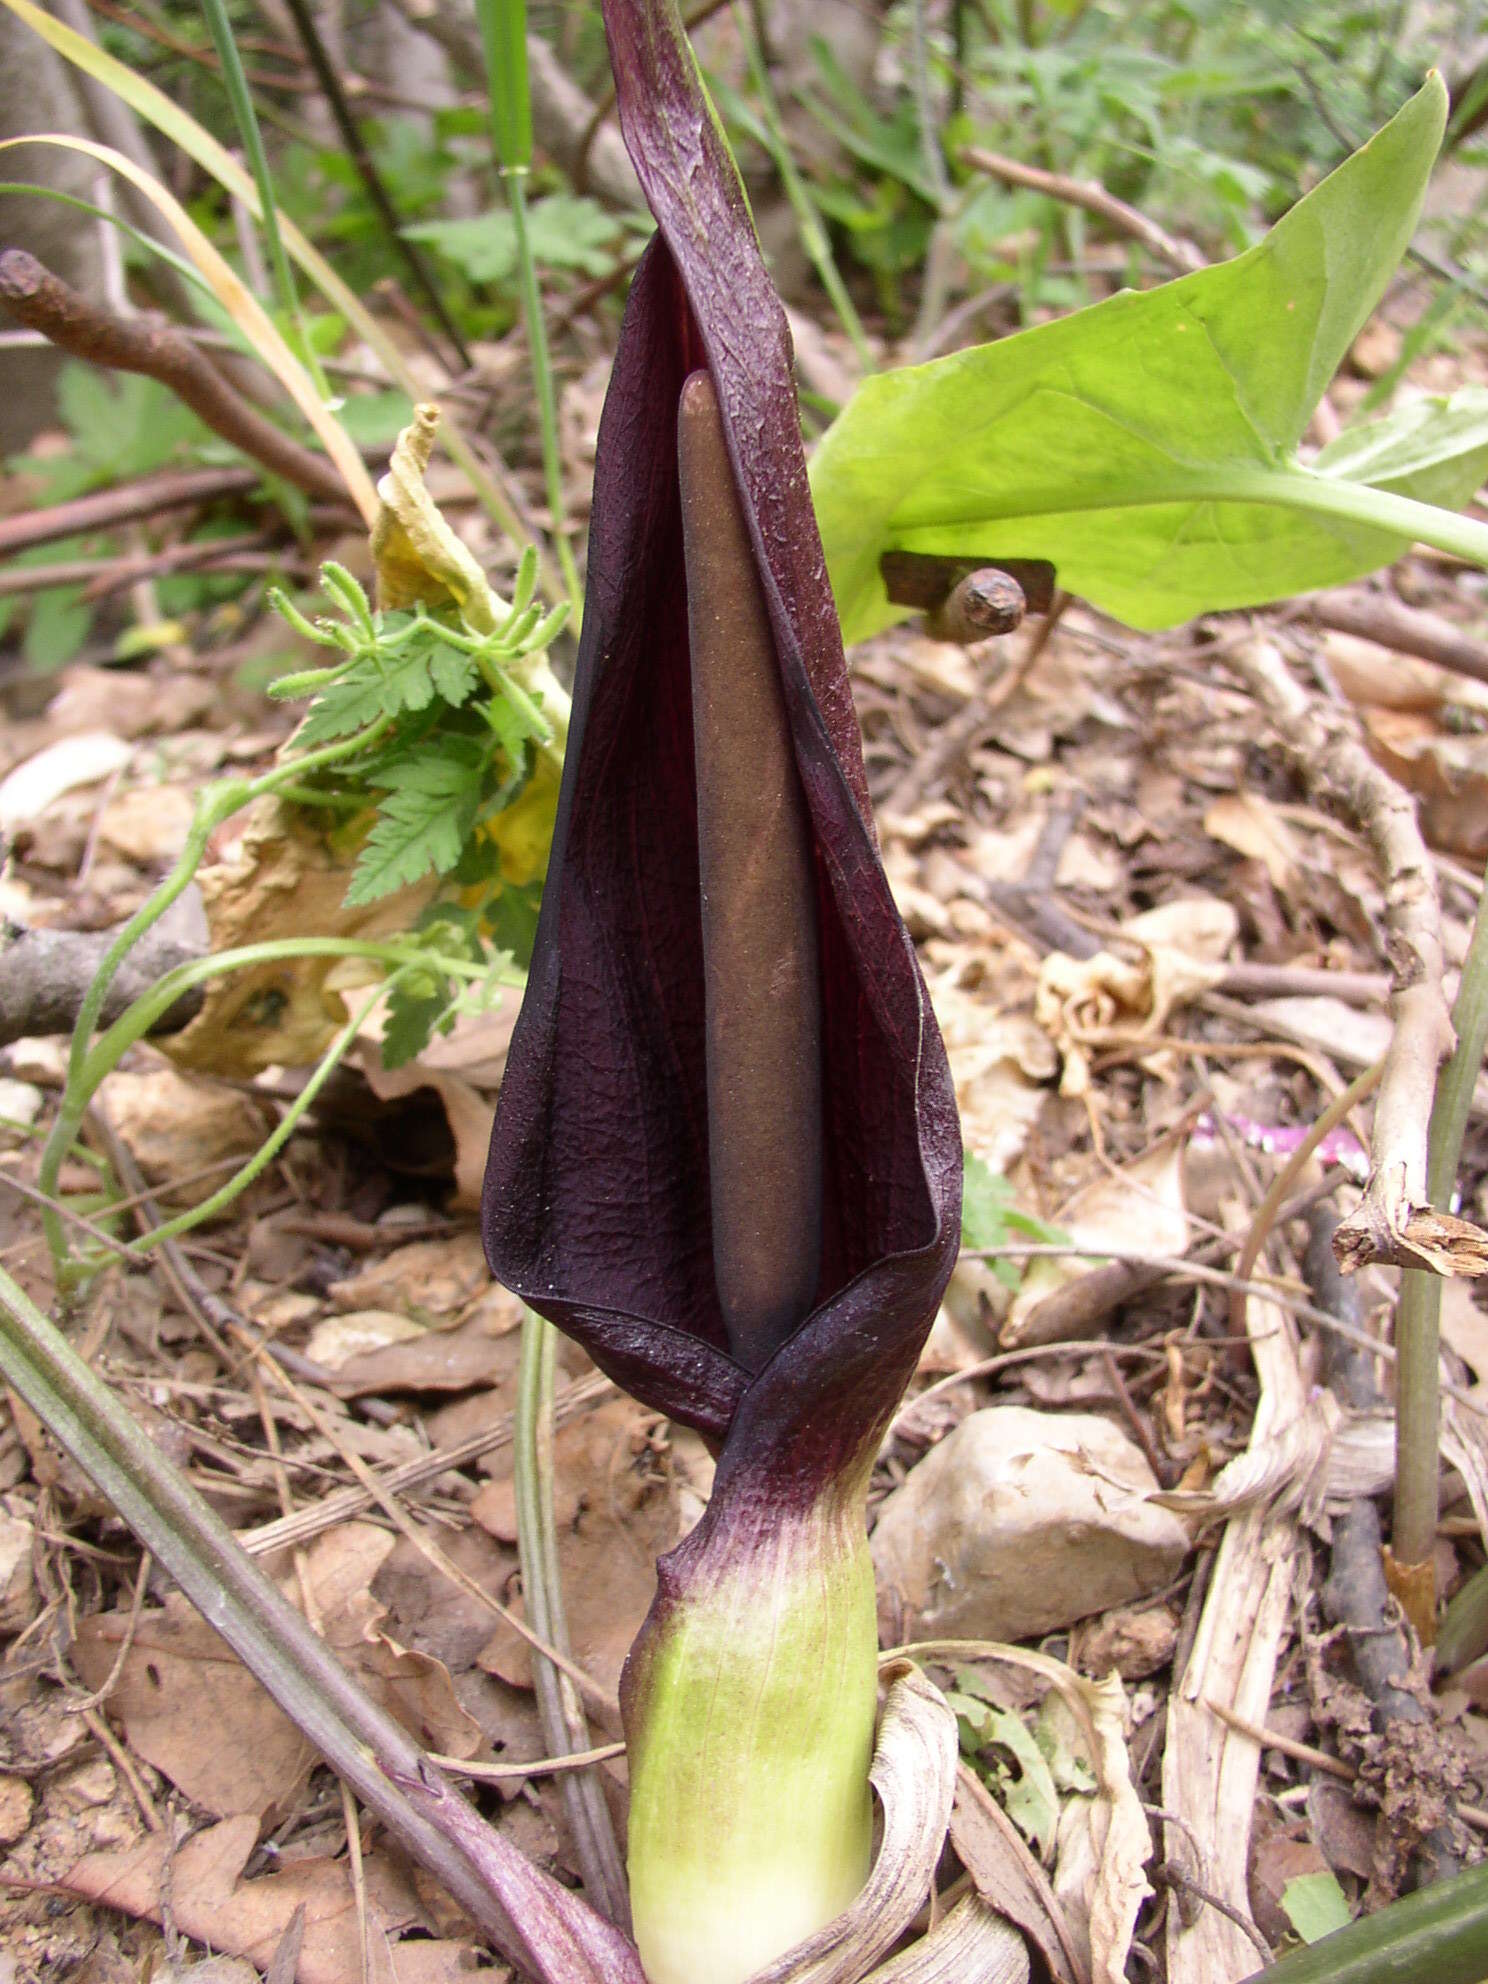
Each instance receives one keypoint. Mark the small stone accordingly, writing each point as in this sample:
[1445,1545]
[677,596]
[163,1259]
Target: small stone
[18,1598]
[16,1800]
[1135,1643]
[1018,1523]
[20,1102]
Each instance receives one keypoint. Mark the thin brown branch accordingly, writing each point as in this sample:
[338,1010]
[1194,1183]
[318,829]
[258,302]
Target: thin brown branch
[343,1503]
[1376,616]
[44,974]
[150,496]
[101,577]
[43,302]
[1391,1221]
[1094,199]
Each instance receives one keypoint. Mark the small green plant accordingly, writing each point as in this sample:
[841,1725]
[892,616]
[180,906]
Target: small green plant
[1026,1768]
[990,1219]
[436,789]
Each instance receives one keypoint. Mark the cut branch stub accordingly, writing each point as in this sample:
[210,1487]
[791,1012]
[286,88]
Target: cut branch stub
[966,600]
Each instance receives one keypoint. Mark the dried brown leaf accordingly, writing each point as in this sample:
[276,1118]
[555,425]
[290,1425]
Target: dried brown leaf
[427,1278]
[210,1902]
[1007,1877]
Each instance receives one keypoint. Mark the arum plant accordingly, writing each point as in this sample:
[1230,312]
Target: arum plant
[726,1156]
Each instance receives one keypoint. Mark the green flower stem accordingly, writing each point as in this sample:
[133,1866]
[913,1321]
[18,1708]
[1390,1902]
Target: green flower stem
[367,1748]
[137,1020]
[1418,1327]
[749,1704]
[542,384]
[1357,503]
[215,805]
[564,1725]
[270,1148]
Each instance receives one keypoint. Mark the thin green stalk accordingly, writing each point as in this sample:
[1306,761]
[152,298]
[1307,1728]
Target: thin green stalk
[138,1019]
[1358,503]
[270,1148]
[542,385]
[241,100]
[564,1724]
[178,264]
[503,27]
[214,805]
[1417,1421]
[808,220]
[527,1916]
[1418,1326]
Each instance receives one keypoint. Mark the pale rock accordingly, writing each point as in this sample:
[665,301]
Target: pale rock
[20,1102]
[339,1338]
[1018,1523]
[16,1803]
[177,1129]
[19,1603]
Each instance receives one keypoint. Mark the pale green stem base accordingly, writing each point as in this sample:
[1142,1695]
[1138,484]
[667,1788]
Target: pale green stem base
[749,1704]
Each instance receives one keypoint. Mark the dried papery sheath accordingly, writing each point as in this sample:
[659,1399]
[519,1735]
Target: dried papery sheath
[726,1156]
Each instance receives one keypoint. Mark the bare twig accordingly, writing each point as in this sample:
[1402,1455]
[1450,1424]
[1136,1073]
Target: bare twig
[101,577]
[44,974]
[1394,1221]
[43,302]
[1087,193]
[1379,617]
[150,496]
[344,1503]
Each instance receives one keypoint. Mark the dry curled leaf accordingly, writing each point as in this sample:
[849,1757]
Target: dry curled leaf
[1085,1004]
[970,1945]
[1008,1878]
[419,559]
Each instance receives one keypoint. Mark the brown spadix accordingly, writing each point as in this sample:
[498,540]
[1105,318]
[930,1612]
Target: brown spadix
[761,977]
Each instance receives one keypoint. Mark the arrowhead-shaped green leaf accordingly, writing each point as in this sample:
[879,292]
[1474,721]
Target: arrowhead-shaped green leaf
[1147,445]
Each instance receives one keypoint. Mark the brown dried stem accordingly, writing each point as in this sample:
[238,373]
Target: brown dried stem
[150,496]
[1087,193]
[1394,1221]
[43,302]
[1378,617]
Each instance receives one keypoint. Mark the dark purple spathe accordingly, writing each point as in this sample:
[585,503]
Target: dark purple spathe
[596,1206]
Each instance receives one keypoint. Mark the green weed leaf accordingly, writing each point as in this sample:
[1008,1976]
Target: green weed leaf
[565,232]
[1147,445]
[389,683]
[989,1217]
[433,795]
[1315,1905]
[1027,1789]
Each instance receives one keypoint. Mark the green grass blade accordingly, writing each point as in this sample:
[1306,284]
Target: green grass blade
[236,85]
[503,27]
